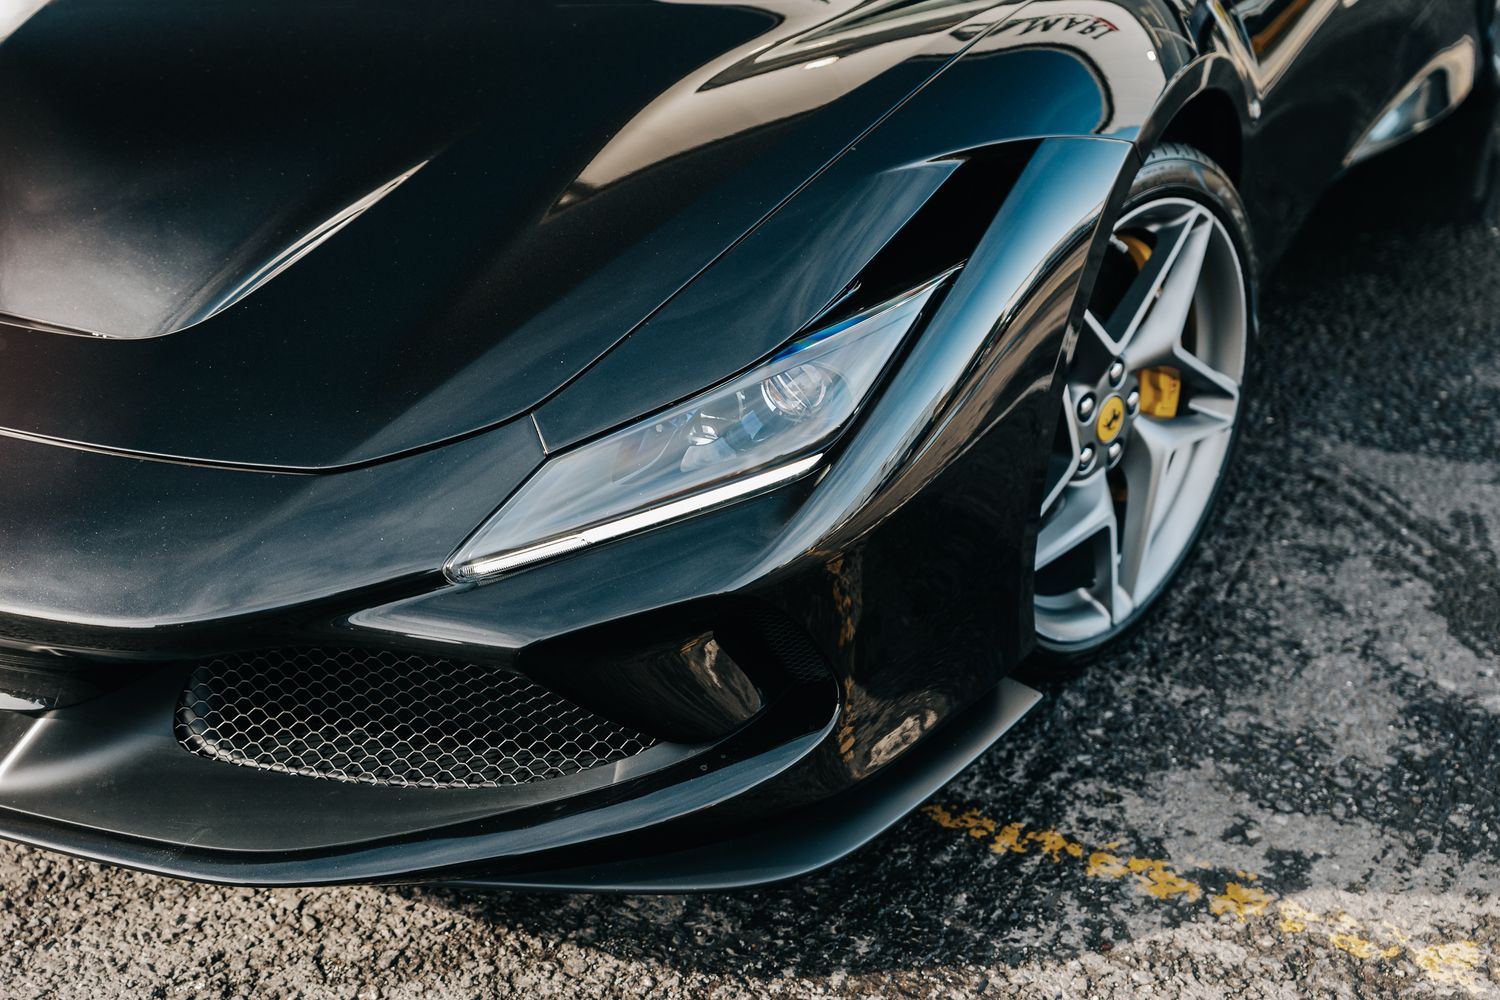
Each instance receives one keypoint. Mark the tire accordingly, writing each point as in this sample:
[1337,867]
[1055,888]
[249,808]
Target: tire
[1180,246]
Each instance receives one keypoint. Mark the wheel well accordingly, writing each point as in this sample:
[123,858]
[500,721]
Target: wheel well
[1210,123]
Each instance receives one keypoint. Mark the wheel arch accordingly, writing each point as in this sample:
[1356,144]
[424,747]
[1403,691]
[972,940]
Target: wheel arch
[1207,106]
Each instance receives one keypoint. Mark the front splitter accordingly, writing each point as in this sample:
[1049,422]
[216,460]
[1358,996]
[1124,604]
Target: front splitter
[805,839]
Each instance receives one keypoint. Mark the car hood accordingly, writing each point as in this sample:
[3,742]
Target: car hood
[315,234]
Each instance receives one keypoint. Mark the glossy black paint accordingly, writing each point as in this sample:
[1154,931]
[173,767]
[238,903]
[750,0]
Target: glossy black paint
[602,208]
[517,255]
[149,545]
[1318,95]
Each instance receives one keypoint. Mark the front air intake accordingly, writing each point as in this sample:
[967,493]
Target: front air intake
[384,718]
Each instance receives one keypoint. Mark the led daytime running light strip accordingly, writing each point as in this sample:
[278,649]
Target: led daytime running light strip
[738,490]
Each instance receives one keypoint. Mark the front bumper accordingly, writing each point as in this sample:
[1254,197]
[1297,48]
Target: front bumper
[607,853]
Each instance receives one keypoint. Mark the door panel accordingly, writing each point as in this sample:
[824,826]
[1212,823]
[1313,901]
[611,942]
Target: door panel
[1324,70]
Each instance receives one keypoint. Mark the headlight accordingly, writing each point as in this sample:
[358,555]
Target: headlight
[760,430]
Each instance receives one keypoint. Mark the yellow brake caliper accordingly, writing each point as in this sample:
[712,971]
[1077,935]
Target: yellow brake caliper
[1161,387]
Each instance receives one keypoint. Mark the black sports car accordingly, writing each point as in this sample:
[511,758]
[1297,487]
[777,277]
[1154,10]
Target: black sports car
[617,443]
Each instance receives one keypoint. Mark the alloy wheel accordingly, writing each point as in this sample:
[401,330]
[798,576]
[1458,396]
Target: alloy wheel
[1150,405]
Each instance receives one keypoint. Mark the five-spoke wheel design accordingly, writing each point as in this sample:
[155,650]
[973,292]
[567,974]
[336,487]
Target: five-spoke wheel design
[1150,406]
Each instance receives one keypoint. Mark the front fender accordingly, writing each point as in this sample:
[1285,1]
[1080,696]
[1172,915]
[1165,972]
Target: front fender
[1054,68]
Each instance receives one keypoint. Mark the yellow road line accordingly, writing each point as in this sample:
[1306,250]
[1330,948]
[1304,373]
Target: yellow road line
[1461,964]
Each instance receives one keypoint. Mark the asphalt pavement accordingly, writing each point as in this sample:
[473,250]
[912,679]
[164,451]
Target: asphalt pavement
[1288,785]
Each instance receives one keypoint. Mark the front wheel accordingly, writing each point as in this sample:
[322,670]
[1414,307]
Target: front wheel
[1151,404]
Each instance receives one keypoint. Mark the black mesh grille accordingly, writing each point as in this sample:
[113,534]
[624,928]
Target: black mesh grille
[791,645]
[387,719]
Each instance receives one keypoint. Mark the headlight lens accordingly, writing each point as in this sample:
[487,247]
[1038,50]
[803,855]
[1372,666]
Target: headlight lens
[760,430]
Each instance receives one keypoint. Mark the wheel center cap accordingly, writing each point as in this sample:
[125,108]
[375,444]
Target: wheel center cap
[1111,419]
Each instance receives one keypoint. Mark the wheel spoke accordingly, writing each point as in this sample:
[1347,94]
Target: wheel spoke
[1153,464]
[1157,331]
[1100,333]
[1087,511]
[1205,380]
[1147,286]
[1086,520]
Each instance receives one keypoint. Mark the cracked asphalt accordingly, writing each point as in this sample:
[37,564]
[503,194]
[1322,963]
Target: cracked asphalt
[1285,786]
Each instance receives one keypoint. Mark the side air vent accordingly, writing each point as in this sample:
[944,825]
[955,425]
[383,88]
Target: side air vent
[946,230]
[384,718]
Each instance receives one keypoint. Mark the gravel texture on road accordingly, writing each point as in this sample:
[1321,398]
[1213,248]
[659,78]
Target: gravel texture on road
[1284,786]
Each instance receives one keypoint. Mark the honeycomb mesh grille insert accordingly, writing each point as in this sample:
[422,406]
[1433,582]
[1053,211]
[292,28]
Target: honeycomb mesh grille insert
[791,645]
[385,718]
